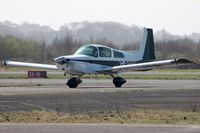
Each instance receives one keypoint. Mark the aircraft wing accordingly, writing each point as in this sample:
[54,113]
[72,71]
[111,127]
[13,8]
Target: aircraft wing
[33,65]
[144,66]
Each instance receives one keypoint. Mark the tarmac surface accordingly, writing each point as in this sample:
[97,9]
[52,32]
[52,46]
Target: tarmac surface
[98,95]
[95,128]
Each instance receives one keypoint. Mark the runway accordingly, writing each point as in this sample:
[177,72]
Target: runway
[96,128]
[98,95]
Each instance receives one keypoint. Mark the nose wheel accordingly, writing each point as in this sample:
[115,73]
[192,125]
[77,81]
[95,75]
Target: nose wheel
[74,82]
[118,82]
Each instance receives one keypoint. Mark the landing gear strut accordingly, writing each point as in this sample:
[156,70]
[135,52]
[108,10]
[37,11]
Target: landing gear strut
[73,82]
[118,82]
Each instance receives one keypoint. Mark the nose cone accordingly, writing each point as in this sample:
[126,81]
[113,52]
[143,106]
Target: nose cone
[60,60]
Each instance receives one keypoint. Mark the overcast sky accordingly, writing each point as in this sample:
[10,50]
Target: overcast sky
[176,16]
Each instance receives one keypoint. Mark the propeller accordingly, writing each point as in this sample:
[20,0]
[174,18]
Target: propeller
[61,60]
[5,62]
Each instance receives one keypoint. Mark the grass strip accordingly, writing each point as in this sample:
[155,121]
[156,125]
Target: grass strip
[126,76]
[134,117]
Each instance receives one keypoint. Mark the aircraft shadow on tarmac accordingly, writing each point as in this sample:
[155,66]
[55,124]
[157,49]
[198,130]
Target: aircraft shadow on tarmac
[112,87]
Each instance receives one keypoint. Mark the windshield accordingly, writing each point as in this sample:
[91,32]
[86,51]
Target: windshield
[87,50]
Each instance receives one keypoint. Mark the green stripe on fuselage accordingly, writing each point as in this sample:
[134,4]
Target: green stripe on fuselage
[111,63]
[101,62]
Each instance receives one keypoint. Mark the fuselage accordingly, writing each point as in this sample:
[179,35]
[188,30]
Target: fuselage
[91,58]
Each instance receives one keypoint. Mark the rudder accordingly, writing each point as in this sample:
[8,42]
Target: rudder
[146,50]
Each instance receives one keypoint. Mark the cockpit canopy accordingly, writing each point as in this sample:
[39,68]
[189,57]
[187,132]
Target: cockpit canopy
[98,51]
[89,50]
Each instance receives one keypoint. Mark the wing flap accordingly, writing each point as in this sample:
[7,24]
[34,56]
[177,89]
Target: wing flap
[144,66]
[33,65]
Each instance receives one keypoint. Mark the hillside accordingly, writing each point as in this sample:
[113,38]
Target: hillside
[114,32]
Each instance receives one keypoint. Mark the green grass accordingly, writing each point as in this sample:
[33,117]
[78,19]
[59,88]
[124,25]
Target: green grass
[13,76]
[7,68]
[165,74]
[126,76]
[2,68]
[135,117]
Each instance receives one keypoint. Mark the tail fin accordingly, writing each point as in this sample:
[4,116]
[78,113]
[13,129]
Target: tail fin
[146,50]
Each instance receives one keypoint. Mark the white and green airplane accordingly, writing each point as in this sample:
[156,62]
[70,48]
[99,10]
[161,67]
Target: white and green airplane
[100,59]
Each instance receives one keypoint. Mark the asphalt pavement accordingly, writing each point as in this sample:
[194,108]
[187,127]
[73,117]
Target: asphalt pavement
[96,128]
[98,95]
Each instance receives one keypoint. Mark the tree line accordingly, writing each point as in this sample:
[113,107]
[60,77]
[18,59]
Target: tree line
[13,48]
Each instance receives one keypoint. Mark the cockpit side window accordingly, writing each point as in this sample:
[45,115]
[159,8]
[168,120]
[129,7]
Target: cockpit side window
[104,52]
[88,50]
[118,54]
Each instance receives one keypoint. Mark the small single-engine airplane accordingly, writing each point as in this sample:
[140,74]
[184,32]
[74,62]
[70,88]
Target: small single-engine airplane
[100,59]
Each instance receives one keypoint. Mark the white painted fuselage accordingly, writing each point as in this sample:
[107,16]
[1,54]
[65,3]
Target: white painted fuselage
[81,63]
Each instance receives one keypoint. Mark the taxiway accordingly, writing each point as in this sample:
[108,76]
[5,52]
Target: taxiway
[97,128]
[98,95]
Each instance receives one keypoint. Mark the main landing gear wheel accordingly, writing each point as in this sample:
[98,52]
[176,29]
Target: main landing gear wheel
[73,82]
[118,82]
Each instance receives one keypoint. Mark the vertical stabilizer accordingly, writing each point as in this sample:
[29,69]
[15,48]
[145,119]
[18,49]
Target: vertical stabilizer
[146,50]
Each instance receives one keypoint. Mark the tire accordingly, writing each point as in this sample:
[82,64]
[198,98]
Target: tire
[118,85]
[72,85]
[118,82]
[73,82]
